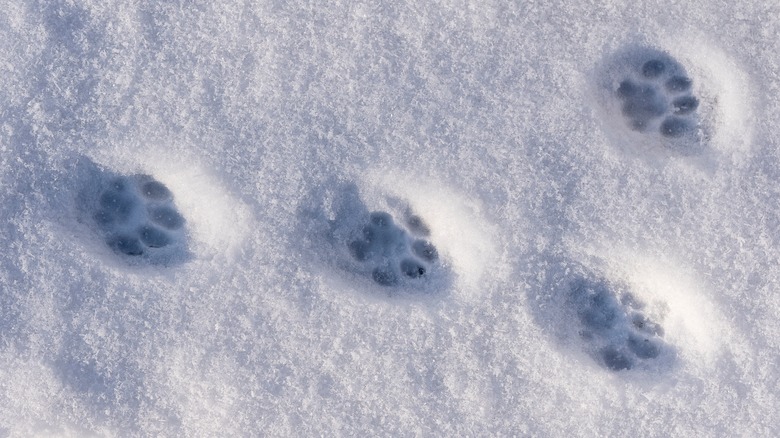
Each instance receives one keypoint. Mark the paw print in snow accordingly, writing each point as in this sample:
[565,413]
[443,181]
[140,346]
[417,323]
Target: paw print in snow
[615,326]
[138,217]
[657,95]
[392,251]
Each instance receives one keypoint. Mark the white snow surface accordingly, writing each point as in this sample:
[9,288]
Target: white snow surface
[496,122]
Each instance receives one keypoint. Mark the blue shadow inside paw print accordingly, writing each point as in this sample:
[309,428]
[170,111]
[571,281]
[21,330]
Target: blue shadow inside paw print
[134,214]
[614,321]
[656,93]
[392,249]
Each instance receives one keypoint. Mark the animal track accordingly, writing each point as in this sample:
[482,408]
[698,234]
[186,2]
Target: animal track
[656,96]
[614,325]
[392,251]
[137,216]
[390,247]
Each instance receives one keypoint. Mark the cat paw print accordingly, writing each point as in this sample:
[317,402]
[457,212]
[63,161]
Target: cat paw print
[656,96]
[138,217]
[615,325]
[393,252]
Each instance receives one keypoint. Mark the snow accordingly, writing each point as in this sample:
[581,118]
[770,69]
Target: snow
[280,127]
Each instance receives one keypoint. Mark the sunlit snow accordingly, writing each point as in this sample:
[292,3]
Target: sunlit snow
[386,218]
